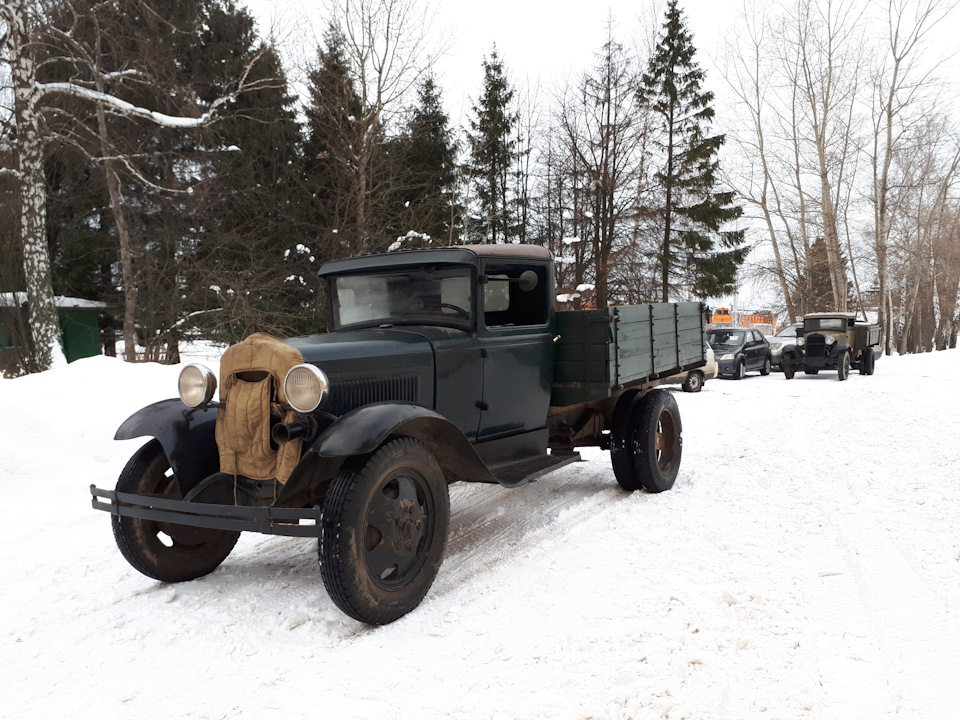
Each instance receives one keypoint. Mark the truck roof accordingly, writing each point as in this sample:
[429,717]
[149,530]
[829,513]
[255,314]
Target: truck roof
[831,315]
[454,255]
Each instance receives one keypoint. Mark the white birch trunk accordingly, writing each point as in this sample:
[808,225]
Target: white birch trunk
[45,331]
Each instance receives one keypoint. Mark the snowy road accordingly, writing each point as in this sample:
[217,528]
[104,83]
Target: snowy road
[806,565]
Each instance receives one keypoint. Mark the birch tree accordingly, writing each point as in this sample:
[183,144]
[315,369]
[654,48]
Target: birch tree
[901,93]
[29,35]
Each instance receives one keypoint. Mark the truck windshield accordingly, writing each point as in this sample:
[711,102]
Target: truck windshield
[825,324]
[412,296]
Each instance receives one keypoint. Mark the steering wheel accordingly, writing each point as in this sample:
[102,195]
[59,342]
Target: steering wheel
[455,308]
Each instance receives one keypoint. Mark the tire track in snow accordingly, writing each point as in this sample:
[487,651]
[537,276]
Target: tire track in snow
[489,524]
[880,625]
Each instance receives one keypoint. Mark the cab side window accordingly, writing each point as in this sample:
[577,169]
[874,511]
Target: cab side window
[509,299]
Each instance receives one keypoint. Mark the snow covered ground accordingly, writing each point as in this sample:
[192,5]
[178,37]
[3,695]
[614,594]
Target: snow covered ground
[806,565]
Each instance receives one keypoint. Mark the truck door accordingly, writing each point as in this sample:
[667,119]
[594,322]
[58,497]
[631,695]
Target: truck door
[515,320]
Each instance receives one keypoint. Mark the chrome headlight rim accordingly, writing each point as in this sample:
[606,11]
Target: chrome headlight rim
[305,387]
[800,342]
[196,385]
[830,340]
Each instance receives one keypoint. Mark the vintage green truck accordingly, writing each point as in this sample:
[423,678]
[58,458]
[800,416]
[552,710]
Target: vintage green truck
[442,365]
[832,341]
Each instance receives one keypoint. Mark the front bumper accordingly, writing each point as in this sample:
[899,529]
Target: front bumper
[293,522]
[727,367]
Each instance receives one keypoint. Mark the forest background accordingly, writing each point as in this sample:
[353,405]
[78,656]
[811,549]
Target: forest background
[192,170]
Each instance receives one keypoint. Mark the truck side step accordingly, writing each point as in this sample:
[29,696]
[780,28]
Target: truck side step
[528,470]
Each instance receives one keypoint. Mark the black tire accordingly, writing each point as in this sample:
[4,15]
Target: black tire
[163,551]
[867,362]
[767,365]
[740,370]
[786,365]
[694,382]
[843,366]
[383,531]
[621,441]
[649,443]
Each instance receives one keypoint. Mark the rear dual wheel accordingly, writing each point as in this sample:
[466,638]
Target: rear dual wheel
[647,441]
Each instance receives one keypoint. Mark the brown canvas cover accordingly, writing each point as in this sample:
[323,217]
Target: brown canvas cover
[251,382]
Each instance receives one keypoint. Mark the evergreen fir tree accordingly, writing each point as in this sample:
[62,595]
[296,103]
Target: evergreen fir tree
[333,134]
[493,152]
[429,160]
[694,255]
[820,297]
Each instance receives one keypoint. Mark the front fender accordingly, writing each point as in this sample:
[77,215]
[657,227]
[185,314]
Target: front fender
[361,431]
[187,439]
[837,350]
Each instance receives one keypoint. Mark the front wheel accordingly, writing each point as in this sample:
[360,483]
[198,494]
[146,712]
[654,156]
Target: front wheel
[384,528]
[843,367]
[765,370]
[786,364]
[164,551]
[740,370]
[647,442]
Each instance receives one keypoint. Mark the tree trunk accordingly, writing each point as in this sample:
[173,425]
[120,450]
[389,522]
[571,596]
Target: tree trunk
[123,236]
[45,331]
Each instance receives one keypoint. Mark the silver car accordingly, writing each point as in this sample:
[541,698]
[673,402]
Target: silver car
[787,336]
[693,380]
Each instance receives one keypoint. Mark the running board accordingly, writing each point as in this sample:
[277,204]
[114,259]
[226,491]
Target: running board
[528,470]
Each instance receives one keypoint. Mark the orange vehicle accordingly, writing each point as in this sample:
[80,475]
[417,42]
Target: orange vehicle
[722,315]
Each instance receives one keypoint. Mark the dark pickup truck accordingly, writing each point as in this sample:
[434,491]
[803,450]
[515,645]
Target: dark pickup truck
[832,341]
[442,365]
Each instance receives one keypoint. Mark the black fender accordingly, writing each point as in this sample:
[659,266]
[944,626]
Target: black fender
[187,438]
[361,431]
[837,350]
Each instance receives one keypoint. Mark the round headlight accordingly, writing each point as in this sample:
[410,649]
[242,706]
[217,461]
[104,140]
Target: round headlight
[800,341]
[830,339]
[197,385]
[306,387]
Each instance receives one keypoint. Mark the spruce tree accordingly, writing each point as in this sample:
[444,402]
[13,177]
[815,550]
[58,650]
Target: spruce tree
[695,256]
[333,134]
[493,152]
[429,160]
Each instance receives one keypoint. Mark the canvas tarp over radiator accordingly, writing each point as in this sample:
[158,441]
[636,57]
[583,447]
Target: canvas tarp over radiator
[251,380]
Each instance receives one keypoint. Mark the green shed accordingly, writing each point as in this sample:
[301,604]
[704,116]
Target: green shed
[79,322]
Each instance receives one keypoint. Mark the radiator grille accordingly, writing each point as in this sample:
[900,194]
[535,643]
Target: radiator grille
[345,395]
[816,346]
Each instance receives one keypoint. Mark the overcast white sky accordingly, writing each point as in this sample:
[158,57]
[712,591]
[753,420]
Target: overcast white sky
[539,40]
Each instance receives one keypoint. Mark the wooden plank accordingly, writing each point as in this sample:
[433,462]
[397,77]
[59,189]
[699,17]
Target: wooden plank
[600,372]
[575,393]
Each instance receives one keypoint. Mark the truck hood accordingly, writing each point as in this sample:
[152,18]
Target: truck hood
[356,351]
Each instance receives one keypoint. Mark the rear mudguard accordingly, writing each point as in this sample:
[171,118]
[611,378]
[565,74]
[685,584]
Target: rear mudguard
[187,438]
[361,431]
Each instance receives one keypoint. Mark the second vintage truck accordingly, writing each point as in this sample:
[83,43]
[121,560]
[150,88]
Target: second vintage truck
[442,365]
